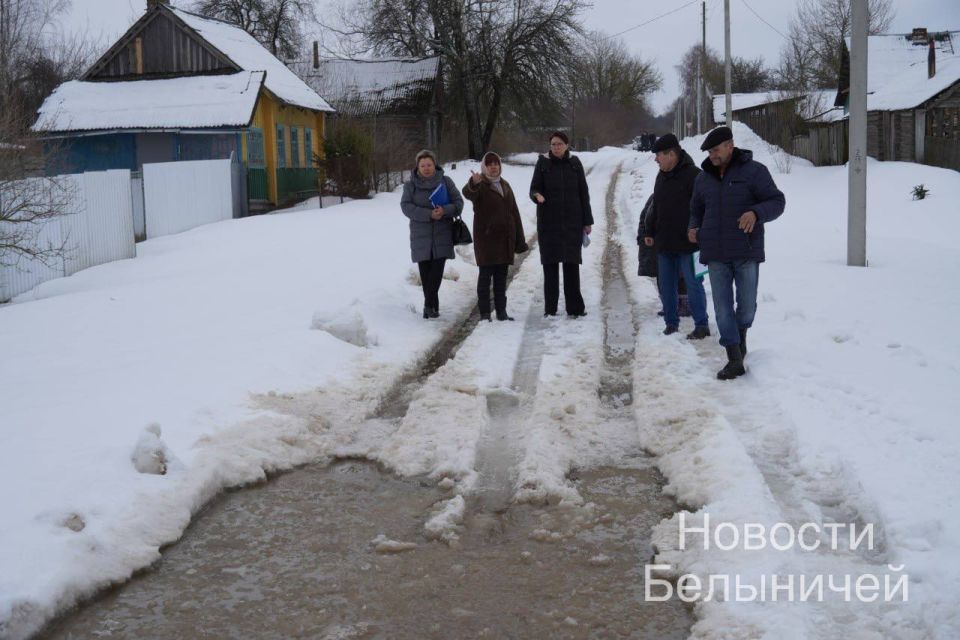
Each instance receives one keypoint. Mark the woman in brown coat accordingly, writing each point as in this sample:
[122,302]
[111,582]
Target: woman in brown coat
[497,233]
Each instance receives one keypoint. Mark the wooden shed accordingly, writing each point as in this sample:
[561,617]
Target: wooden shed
[913,97]
[772,115]
[401,95]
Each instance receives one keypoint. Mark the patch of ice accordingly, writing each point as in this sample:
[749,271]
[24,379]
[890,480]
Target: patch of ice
[382,544]
[444,523]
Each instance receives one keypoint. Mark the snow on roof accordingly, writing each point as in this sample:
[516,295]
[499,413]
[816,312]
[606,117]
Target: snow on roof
[374,86]
[817,106]
[830,114]
[888,54]
[188,102]
[744,101]
[245,51]
[911,87]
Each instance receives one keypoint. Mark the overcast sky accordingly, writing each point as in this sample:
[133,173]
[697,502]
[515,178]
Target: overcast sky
[663,40]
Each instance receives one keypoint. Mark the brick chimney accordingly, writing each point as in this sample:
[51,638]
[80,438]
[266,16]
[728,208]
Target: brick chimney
[931,59]
[152,3]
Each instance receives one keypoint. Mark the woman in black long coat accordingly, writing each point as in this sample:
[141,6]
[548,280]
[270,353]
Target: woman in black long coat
[559,187]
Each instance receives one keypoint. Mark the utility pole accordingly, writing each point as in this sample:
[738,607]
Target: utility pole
[728,80]
[703,67]
[573,118]
[699,96]
[857,164]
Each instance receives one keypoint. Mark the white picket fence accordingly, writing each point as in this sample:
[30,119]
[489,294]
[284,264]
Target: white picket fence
[96,227]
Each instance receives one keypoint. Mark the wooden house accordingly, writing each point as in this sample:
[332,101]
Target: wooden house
[402,96]
[913,97]
[772,115]
[178,86]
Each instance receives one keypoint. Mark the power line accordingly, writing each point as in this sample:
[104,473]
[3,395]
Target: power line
[760,18]
[662,15]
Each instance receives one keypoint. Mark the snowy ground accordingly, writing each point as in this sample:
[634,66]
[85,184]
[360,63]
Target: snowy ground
[263,343]
[197,335]
[844,416]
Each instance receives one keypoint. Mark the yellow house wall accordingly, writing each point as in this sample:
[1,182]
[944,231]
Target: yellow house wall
[268,115]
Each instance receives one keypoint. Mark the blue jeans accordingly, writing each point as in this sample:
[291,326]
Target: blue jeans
[723,275]
[670,265]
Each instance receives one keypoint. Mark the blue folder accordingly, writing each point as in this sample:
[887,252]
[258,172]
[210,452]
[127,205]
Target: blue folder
[440,197]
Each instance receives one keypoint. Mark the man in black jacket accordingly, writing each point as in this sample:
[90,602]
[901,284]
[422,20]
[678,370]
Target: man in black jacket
[666,229]
[733,199]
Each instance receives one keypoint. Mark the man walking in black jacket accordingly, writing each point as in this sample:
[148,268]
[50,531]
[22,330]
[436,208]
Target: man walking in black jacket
[733,199]
[666,229]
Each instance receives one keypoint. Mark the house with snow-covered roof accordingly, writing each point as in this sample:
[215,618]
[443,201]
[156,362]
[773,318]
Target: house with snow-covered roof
[913,96]
[400,95]
[178,86]
[773,115]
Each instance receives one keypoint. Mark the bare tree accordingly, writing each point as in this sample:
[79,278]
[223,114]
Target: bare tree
[276,24]
[606,70]
[35,55]
[748,75]
[812,56]
[609,90]
[797,62]
[496,54]
[29,200]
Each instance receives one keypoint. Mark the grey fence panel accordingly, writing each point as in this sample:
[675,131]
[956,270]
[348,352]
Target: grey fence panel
[182,195]
[95,226]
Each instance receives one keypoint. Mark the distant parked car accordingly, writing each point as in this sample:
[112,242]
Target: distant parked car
[641,143]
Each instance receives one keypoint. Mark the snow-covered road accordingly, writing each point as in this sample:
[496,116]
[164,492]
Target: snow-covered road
[258,346]
[497,415]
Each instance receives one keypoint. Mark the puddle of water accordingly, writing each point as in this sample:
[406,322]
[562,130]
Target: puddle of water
[292,558]
[497,452]
[619,323]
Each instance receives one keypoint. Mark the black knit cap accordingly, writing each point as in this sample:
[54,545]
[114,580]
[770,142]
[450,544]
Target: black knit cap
[715,137]
[665,143]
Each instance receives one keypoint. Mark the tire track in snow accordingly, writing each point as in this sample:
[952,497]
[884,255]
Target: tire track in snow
[731,452]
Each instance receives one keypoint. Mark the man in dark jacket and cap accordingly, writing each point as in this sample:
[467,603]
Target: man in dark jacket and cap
[666,229]
[732,200]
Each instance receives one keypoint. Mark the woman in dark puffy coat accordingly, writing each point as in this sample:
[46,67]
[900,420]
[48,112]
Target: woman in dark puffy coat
[431,226]
[564,218]
[497,233]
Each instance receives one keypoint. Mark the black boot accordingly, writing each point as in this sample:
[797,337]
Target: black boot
[699,332]
[734,367]
[426,312]
[743,343]
[485,316]
[434,312]
[502,315]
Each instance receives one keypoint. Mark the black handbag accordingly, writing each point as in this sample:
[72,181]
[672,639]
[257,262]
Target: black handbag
[461,234]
